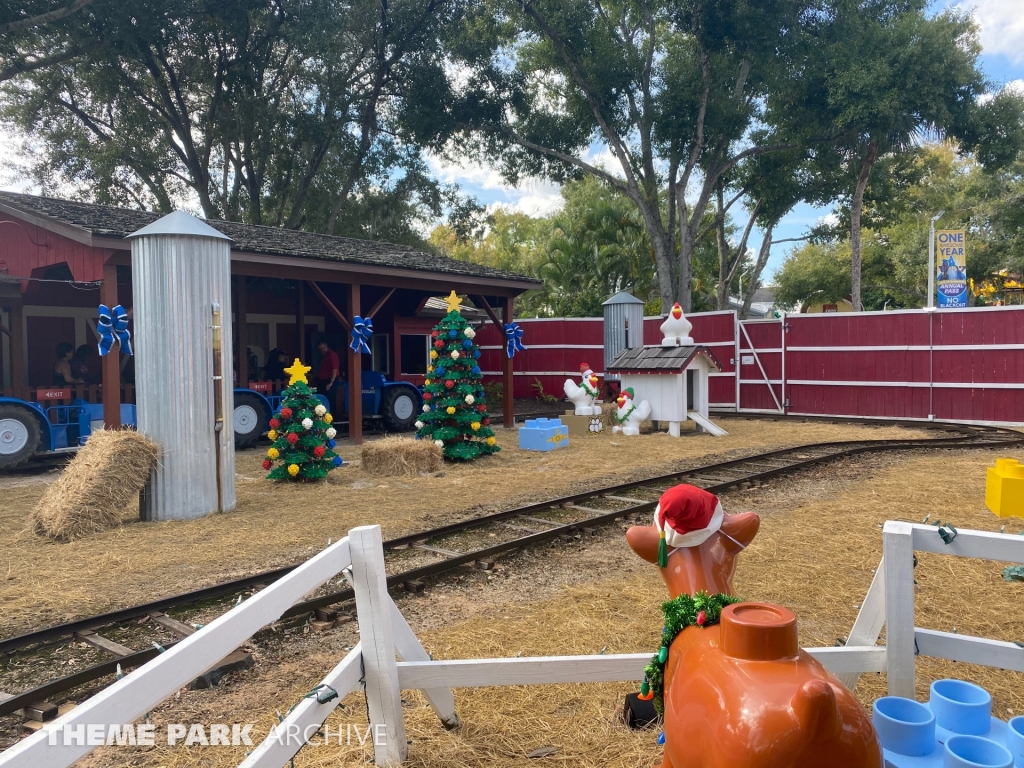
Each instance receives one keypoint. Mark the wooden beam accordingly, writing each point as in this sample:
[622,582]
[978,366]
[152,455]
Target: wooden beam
[508,404]
[481,302]
[355,376]
[380,303]
[19,374]
[345,322]
[242,323]
[110,365]
[98,641]
[302,321]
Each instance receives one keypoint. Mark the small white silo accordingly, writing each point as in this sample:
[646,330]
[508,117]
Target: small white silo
[623,327]
[181,289]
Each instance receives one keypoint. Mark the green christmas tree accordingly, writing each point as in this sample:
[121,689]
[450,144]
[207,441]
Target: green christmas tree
[302,434]
[454,412]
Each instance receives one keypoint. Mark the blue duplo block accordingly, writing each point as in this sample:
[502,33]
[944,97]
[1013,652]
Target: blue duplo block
[543,435]
[953,729]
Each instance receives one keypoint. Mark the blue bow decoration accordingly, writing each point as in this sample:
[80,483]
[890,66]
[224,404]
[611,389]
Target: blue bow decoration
[514,336]
[362,330]
[113,325]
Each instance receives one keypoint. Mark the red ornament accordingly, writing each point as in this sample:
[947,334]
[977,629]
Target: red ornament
[274,423]
[439,344]
[318,451]
[481,407]
[485,422]
[449,383]
[292,438]
[701,618]
[427,395]
[434,334]
[266,464]
[286,413]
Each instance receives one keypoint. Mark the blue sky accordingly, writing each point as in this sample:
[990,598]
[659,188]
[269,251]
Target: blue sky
[1002,39]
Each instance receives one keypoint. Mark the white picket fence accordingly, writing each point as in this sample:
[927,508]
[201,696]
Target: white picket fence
[389,658]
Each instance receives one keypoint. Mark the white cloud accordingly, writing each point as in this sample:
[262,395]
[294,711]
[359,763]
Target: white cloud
[1002,26]
[536,197]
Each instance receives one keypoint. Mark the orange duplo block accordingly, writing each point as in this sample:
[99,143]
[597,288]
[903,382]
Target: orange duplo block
[1004,488]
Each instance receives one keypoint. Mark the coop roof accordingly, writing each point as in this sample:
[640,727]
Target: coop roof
[104,226]
[659,359]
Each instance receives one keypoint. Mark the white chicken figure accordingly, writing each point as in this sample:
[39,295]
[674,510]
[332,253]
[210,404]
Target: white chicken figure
[630,415]
[584,395]
[675,330]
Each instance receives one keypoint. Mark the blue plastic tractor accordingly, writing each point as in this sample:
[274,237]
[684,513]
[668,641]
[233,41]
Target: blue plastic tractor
[28,428]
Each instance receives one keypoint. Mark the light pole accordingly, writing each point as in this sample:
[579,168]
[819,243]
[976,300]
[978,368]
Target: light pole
[931,260]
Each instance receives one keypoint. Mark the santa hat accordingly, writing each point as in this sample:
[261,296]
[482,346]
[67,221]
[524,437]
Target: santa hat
[585,369]
[686,516]
[628,393]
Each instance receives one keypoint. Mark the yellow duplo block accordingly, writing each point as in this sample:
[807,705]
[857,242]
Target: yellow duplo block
[1004,488]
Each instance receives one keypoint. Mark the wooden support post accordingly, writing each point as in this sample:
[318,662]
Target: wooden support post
[330,306]
[110,365]
[900,645]
[355,376]
[376,635]
[19,374]
[241,319]
[302,321]
[508,404]
[380,303]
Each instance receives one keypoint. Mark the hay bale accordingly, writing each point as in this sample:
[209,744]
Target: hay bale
[401,456]
[96,487]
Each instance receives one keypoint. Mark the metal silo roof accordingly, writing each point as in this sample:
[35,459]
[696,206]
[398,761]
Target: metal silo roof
[622,297]
[179,223]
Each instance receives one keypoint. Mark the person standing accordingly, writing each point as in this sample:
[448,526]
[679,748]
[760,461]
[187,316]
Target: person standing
[329,373]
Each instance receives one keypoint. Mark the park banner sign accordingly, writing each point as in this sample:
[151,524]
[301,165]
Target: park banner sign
[951,275]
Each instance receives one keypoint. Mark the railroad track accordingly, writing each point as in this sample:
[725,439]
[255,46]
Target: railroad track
[445,548]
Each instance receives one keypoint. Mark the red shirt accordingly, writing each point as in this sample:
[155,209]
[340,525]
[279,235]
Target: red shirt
[329,364]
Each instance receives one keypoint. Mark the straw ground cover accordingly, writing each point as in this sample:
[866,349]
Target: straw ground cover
[44,583]
[819,541]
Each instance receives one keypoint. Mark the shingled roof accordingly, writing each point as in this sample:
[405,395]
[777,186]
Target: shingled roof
[658,359]
[104,221]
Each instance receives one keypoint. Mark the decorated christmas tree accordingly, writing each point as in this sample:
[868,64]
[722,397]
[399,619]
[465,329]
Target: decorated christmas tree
[454,412]
[302,434]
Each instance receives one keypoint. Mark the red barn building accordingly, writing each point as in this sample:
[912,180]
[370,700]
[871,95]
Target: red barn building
[60,259]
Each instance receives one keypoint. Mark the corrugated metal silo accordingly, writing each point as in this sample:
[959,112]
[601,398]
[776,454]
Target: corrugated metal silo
[623,327]
[181,285]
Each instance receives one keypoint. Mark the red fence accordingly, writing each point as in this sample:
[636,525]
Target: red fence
[950,365]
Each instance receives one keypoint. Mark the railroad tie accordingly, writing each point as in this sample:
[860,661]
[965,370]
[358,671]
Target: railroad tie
[98,641]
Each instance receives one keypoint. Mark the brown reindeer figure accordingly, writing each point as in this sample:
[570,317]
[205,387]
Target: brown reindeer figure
[742,693]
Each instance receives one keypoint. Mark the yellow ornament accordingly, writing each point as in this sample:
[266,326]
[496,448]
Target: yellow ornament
[451,410]
[272,434]
[426,382]
[475,425]
[491,440]
[297,372]
[272,453]
[430,369]
[328,418]
[293,469]
[454,302]
[433,354]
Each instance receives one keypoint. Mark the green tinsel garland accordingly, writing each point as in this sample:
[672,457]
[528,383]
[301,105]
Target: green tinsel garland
[680,613]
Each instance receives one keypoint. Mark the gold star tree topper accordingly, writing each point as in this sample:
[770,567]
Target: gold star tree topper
[298,372]
[454,302]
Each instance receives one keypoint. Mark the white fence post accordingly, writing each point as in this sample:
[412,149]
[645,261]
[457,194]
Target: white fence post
[376,634]
[409,648]
[870,620]
[898,561]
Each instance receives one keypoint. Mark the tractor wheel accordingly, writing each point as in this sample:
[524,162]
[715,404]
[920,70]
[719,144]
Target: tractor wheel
[249,420]
[19,436]
[398,407]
